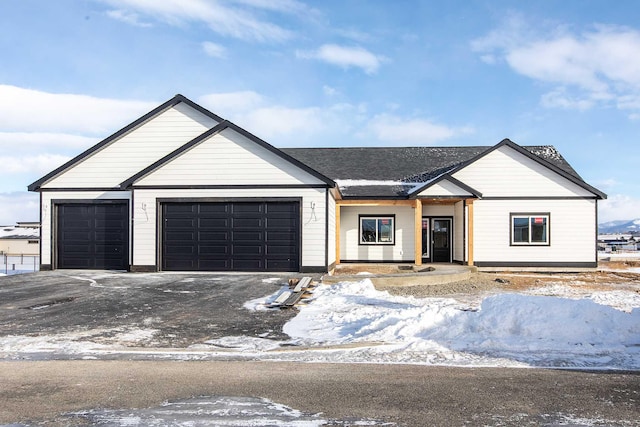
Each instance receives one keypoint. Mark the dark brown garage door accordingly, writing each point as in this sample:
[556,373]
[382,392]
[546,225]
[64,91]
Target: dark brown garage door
[231,236]
[93,236]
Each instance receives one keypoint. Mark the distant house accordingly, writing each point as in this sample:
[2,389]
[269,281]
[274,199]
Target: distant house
[618,242]
[183,189]
[19,248]
[20,239]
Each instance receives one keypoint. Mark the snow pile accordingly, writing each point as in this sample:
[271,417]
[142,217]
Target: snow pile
[507,329]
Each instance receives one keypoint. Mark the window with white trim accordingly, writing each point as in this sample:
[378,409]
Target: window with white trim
[377,230]
[530,229]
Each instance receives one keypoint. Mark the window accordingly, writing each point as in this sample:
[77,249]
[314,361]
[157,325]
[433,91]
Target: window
[530,229]
[378,230]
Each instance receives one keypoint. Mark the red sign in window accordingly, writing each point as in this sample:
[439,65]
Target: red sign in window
[384,221]
[538,220]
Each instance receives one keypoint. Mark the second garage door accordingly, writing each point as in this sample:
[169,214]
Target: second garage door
[231,236]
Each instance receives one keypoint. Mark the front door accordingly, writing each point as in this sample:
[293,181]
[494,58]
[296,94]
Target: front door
[441,251]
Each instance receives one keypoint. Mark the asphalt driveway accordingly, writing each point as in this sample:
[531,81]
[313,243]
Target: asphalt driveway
[182,308]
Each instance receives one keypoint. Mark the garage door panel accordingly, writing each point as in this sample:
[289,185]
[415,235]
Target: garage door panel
[213,223]
[180,208]
[232,236]
[248,265]
[248,236]
[180,250]
[217,236]
[180,222]
[205,250]
[92,235]
[242,250]
[213,208]
[280,265]
[247,208]
[177,236]
[247,223]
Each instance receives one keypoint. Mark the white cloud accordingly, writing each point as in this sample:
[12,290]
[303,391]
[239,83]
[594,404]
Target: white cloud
[273,122]
[329,91]
[39,164]
[618,207]
[340,124]
[28,110]
[598,65]
[127,17]
[559,98]
[214,50]
[228,20]
[34,142]
[409,131]
[231,103]
[19,206]
[256,114]
[345,57]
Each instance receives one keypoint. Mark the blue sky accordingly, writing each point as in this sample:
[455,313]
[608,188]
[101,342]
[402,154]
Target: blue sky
[326,73]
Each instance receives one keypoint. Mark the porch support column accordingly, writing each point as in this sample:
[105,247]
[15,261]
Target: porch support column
[418,232]
[337,233]
[470,231]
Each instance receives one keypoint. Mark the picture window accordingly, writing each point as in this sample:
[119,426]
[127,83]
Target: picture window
[530,229]
[378,230]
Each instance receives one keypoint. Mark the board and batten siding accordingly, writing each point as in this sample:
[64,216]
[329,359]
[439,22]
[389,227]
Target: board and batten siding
[228,158]
[47,212]
[313,229]
[507,173]
[572,226]
[136,150]
[352,250]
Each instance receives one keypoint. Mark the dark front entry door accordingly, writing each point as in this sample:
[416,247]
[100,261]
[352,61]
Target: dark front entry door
[441,240]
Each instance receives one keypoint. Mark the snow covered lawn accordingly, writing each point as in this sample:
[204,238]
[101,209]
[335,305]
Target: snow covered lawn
[601,330]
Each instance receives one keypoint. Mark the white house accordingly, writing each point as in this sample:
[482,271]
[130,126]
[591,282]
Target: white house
[183,189]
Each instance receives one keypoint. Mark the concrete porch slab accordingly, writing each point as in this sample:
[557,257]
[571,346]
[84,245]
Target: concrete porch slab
[439,274]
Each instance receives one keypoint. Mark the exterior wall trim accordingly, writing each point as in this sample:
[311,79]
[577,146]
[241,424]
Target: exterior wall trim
[225,187]
[539,198]
[500,264]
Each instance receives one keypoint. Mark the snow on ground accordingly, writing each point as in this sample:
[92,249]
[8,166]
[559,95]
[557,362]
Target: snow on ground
[352,322]
[214,411]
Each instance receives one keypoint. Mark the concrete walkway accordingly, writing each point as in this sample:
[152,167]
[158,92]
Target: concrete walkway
[430,274]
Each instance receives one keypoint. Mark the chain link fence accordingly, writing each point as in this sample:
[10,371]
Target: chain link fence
[18,264]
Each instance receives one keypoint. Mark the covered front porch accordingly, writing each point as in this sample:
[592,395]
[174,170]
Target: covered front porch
[420,231]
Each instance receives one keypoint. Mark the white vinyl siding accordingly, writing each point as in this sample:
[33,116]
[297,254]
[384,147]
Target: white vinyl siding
[352,250]
[135,150]
[571,238]
[47,213]
[228,158]
[312,218]
[507,173]
[444,188]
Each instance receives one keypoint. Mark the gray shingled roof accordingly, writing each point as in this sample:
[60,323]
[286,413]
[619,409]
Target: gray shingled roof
[400,164]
